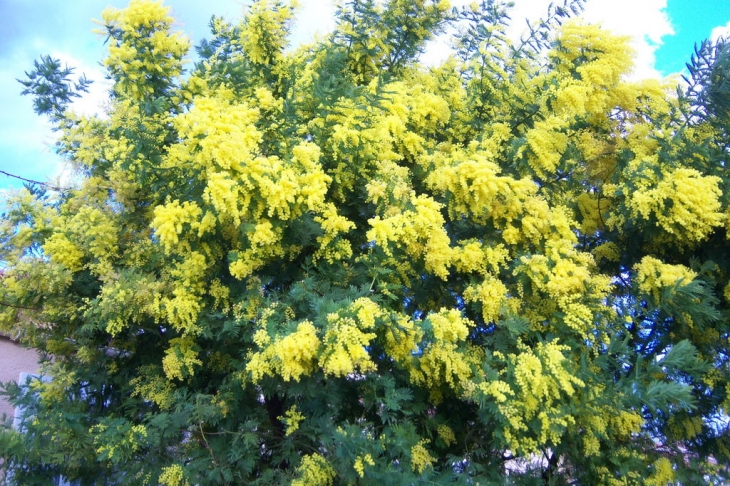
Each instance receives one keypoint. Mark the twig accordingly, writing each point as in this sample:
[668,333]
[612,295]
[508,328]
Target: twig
[50,186]
[5,304]
[212,455]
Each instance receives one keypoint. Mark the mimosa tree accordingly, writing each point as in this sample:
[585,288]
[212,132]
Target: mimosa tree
[335,265]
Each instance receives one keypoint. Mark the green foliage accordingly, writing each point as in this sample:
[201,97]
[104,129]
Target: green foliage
[52,88]
[333,265]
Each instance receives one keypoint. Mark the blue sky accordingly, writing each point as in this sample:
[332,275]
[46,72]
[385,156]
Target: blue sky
[664,34]
[692,20]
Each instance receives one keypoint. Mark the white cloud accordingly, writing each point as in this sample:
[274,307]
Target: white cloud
[96,99]
[645,21]
[313,18]
[720,31]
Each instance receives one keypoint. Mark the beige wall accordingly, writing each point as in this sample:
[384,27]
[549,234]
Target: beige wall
[14,359]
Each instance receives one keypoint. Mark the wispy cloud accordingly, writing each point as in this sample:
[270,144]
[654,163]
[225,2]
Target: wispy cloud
[720,31]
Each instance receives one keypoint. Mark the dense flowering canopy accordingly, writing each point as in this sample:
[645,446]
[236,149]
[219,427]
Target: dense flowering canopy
[334,265]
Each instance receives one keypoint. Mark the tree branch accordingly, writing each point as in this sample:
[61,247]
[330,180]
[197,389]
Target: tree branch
[50,186]
[5,304]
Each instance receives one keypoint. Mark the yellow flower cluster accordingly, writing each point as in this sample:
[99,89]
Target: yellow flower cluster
[147,49]
[391,184]
[220,293]
[562,271]
[500,391]
[180,359]
[89,235]
[684,203]
[449,325]
[542,383]
[292,418]
[345,347]
[314,471]
[472,180]
[290,356]
[446,360]
[607,251]
[602,58]
[61,250]
[443,363]
[133,439]
[653,275]
[169,220]
[265,31]
[446,434]
[420,232]
[578,316]
[98,232]
[588,205]
[663,473]
[216,135]
[360,463]
[491,294]
[402,338]
[472,256]
[297,352]
[153,388]
[125,299]
[266,100]
[173,476]
[332,248]
[182,310]
[366,311]
[411,109]
[547,145]
[245,190]
[420,457]
[254,257]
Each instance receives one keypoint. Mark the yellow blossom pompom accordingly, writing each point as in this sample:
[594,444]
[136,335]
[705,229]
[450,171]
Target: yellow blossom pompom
[290,356]
[170,219]
[297,352]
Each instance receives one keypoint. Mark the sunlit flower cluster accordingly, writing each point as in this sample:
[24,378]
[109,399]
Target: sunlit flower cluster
[420,232]
[148,54]
[683,203]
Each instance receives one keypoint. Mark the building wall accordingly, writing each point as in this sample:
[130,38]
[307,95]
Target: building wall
[14,359]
